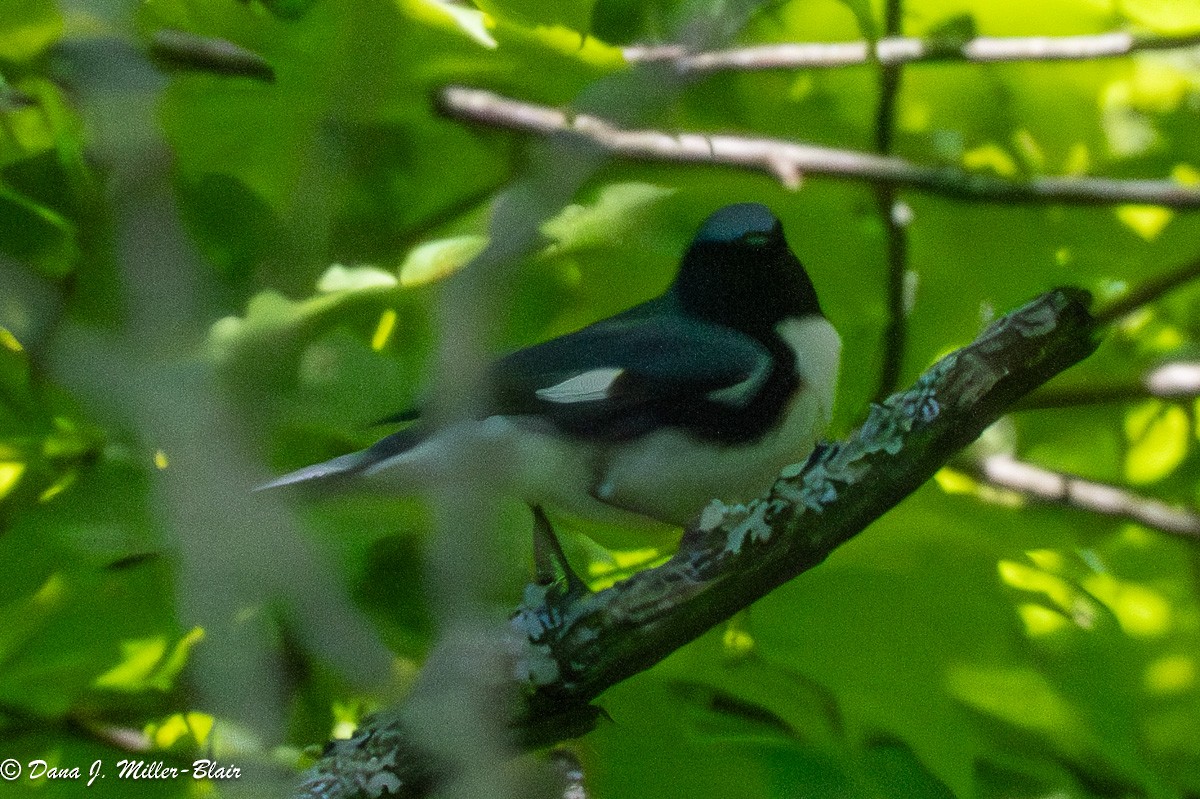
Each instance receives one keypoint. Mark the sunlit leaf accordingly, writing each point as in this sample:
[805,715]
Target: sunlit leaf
[992,158]
[1158,436]
[10,473]
[438,259]
[139,659]
[618,209]
[1163,16]
[1145,220]
[1171,674]
[342,278]
[574,14]
[1140,610]
[1018,696]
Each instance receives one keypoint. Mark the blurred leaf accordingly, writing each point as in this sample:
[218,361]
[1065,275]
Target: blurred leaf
[36,233]
[1021,697]
[27,27]
[898,773]
[1145,220]
[341,278]
[627,21]
[22,617]
[288,9]
[435,260]
[207,53]
[149,664]
[1162,16]
[864,15]
[574,14]
[954,32]
[617,211]
[971,643]
[1158,441]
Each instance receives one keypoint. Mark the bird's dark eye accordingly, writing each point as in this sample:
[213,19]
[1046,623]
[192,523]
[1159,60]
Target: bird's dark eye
[757,239]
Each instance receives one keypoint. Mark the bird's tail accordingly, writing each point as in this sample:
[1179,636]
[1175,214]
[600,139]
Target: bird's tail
[344,468]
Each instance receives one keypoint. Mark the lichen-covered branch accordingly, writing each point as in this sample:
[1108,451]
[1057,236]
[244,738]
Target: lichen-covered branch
[569,645]
[790,161]
[904,50]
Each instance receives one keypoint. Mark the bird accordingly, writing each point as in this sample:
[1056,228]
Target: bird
[704,392]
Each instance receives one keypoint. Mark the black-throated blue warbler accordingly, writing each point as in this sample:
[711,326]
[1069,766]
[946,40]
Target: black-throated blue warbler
[704,392]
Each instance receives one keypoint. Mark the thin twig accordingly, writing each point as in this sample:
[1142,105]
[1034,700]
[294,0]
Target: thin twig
[786,160]
[126,739]
[1171,381]
[1148,292]
[895,227]
[903,50]
[1057,488]
[209,54]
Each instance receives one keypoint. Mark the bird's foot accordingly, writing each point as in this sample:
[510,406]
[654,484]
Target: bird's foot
[550,562]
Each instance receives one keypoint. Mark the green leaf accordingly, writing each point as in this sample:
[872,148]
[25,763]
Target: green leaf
[617,211]
[27,28]
[435,260]
[895,769]
[864,15]
[288,9]
[1159,435]
[574,14]
[627,21]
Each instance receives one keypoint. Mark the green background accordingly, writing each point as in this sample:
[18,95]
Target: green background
[209,279]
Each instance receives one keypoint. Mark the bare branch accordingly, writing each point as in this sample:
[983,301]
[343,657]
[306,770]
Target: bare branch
[901,50]
[776,156]
[1148,292]
[209,54]
[570,646]
[1057,488]
[1171,381]
[894,224]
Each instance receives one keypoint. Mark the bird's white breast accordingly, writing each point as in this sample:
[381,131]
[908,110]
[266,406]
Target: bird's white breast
[670,475]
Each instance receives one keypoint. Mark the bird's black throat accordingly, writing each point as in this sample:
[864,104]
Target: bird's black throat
[748,287]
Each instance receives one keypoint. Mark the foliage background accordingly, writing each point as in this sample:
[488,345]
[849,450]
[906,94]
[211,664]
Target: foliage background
[208,279]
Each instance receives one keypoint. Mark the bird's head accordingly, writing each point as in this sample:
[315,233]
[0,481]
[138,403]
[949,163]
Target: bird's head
[739,271]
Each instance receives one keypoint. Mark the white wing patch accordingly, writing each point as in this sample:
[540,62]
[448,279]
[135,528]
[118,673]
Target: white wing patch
[589,386]
[741,393]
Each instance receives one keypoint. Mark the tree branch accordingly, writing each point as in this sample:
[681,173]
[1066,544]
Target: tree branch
[1171,381]
[895,219]
[1045,485]
[788,161]
[570,645]
[209,54]
[1148,292]
[903,50]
